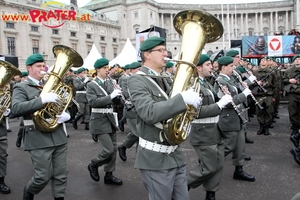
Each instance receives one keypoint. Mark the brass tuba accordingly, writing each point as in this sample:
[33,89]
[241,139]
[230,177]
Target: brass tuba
[7,72]
[196,28]
[45,119]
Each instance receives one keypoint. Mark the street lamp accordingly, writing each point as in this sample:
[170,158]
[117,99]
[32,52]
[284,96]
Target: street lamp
[45,56]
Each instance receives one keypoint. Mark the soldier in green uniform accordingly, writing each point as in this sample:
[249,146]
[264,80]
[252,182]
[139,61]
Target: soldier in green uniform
[156,158]
[230,121]
[266,78]
[130,115]
[3,154]
[103,123]
[205,135]
[48,150]
[169,70]
[21,128]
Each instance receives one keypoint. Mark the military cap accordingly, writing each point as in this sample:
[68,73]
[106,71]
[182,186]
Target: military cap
[25,73]
[203,59]
[135,65]
[232,53]
[126,67]
[101,63]
[152,42]
[169,64]
[245,59]
[81,69]
[296,56]
[115,65]
[34,58]
[241,69]
[225,60]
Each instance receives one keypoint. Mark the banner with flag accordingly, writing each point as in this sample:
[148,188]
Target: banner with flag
[258,46]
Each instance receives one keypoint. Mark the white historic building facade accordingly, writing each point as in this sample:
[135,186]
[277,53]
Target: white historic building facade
[113,21]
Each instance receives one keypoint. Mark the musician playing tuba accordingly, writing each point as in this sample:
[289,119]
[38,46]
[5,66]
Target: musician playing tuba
[156,158]
[48,150]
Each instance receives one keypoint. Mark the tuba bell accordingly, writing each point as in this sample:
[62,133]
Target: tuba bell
[196,28]
[66,57]
[7,72]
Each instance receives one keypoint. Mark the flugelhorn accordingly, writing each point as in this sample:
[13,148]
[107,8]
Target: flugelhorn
[45,119]
[196,28]
[7,72]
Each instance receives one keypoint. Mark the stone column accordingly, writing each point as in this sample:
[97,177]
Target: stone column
[246,23]
[276,21]
[256,23]
[232,25]
[286,21]
[271,23]
[297,15]
[171,28]
[162,19]
[292,19]
[261,23]
[242,24]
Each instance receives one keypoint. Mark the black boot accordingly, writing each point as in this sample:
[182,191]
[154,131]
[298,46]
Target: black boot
[247,158]
[239,174]
[247,140]
[122,152]
[210,195]
[93,169]
[261,129]
[121,125]
[296,154]
[276,116]
[19,142]
[59,198]
[95,137]
[27,195]
[266,130]
[110,179]
[87,127]
[3,187]
[75,121]
[294,138]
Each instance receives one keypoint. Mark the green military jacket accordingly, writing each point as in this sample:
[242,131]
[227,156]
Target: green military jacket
[291,73]
[268,83]
[206,133]
[79,87]
[131,114]
[153,107]
[25,101]
[100,123]
[3,130]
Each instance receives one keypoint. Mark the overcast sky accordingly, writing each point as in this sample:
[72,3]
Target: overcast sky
[83,2]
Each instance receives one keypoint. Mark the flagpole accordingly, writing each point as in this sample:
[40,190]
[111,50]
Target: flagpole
[222,12]
[228,25]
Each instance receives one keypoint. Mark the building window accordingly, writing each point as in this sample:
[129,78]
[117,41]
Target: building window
[55,31]
[280,18]
[11,46]
[35,46]
[73,34]
[137,30]
[265,31]
[74,46]
[265,19]
[88,36]
[89,47]
[249,20]
[124,15]
[250,32]
[10,25]
[114,39]
[102,38]
[151,15]
[115,52]
[34,29]
[55,43]
[136,15]
[103,51]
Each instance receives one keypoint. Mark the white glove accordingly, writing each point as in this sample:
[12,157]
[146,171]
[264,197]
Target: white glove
[192,98]
[115,93]
[6,112]
[49,98]
[63,117]
[86,79]
[226,99]
[252,78]
[247,92]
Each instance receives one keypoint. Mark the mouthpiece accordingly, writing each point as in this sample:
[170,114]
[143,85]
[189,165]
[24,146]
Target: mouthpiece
[43,72]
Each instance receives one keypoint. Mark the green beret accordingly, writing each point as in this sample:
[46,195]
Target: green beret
[225,60]
[126,67]
[152,42]
[25,73]
[81,69]
[245,59]
[115,65]
[232,53]
[241,69]
[296,56]
[135,65]
[169,64]
[101,63]
[203,59]
[34,58]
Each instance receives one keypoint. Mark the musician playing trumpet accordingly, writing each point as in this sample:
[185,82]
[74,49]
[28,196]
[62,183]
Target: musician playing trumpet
[230,121]
[100,95]
[48,150]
